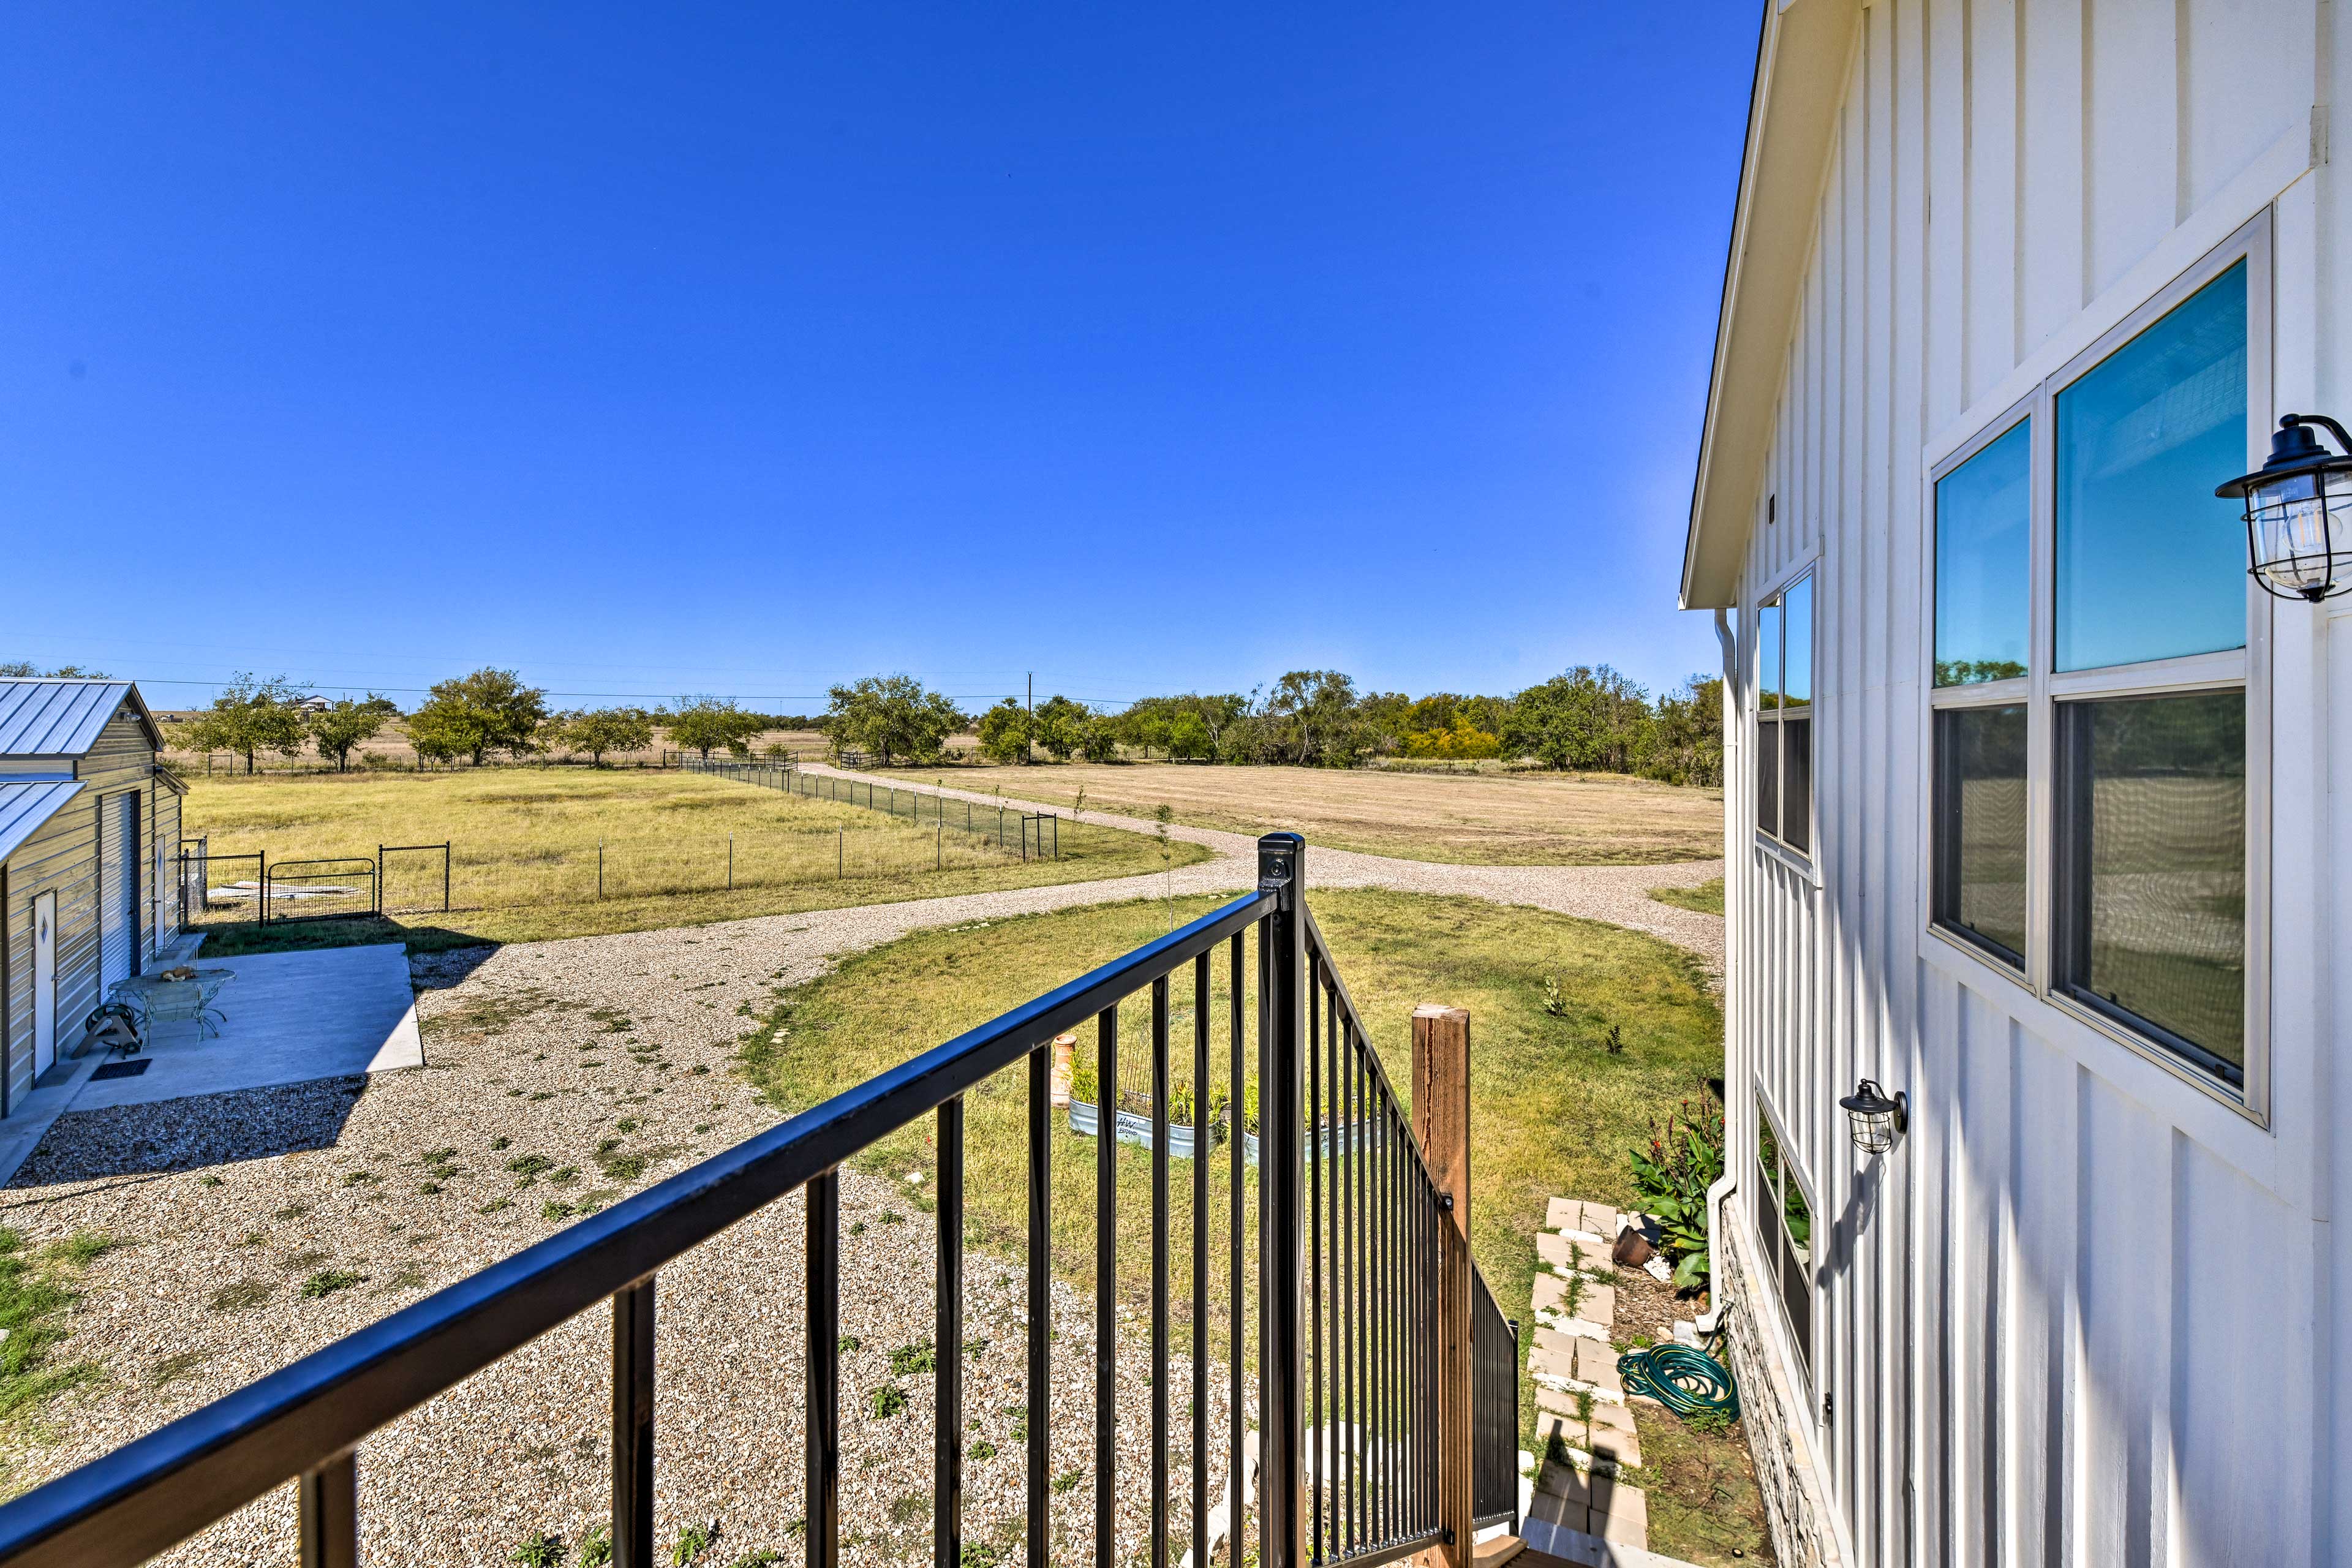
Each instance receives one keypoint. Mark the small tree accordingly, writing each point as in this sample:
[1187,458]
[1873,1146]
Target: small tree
[339,728]
[602,729]
[1061,726]
[249,716]
[1188,736]
[1099,739]
[1005,732]
[892,716]
[704,724]
[472,714]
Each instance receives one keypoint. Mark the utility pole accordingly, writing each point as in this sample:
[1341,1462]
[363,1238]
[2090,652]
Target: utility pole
[1029,736]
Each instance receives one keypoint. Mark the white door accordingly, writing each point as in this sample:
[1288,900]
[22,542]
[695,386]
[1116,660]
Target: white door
[118,889]
[45,981]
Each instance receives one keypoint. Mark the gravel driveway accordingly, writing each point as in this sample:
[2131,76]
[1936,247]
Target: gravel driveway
[569,1073]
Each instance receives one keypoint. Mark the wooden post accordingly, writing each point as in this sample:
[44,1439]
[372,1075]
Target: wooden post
[1440,1119]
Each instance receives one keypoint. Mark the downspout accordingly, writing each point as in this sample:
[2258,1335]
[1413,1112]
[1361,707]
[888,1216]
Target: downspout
[1711,1321]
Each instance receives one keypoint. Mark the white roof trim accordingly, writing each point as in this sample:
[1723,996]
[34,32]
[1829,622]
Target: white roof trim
[1792,115]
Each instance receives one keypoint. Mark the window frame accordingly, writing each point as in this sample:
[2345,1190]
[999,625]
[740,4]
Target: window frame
[1771,1246]
[1771,839]
[2043,689]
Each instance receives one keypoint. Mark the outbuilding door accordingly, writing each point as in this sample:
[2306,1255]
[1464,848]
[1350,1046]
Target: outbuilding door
[45,981]
[118,892]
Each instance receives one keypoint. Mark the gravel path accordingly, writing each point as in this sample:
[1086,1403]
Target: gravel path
[565,1074]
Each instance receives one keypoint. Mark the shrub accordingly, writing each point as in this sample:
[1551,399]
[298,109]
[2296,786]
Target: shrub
[1672,1173]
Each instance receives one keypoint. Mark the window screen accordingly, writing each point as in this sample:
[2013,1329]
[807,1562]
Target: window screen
[1784,716]
[1980,806]
[2151,893]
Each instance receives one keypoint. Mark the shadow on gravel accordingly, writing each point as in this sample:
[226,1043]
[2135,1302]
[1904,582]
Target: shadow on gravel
[191,1133]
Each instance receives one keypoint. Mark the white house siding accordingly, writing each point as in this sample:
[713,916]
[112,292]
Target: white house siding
[2119,1332]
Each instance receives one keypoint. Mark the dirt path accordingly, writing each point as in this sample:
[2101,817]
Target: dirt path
[1618,894]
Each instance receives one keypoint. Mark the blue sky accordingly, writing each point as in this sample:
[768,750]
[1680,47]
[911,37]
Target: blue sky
[655,350]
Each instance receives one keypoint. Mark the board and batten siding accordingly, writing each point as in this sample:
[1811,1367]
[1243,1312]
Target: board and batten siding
[2085,1314]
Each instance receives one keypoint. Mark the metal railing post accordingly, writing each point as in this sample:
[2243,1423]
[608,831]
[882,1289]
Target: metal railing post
[633,1425]
[327,1514]
[1282,1024]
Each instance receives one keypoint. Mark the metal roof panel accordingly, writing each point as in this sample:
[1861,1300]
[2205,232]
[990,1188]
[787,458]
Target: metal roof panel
[25,806]
[61,718]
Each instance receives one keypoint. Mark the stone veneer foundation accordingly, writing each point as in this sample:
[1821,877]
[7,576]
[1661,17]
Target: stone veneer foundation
[1778,1421]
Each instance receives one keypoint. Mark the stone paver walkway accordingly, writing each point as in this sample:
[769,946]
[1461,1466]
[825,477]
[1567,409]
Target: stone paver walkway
[1584,1506]
[1617,894]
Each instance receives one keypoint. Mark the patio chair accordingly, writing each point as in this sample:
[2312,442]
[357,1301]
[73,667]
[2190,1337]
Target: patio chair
[181,1002]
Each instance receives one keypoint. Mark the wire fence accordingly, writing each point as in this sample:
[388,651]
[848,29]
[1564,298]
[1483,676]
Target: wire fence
[1032,835]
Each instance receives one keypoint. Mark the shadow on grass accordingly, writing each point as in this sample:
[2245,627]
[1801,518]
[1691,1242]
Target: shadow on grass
[304,936]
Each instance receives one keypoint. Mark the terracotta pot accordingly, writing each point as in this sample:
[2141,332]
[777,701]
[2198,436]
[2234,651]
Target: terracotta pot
[1066,1052]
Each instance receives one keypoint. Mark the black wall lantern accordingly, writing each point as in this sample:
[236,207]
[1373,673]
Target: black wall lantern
[2291,502]
[1878,1121]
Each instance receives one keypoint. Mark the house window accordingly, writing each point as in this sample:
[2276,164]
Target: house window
[1784,1225]
[2091,608]
[1784,716]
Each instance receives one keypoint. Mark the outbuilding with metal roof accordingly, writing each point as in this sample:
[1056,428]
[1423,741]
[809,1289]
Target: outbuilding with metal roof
[89,830]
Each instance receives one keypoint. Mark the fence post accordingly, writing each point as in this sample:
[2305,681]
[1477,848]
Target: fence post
[1282,1199]
[1440,1117]
[446,844]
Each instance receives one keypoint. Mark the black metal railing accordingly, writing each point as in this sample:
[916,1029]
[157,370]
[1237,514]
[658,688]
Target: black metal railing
[1344,1332]
[1493,1410]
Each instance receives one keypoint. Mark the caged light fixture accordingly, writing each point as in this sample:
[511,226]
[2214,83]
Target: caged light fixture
[2292,504]
[1877,1120]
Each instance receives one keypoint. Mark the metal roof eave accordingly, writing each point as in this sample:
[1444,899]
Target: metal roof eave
[25,805]
[1800,60]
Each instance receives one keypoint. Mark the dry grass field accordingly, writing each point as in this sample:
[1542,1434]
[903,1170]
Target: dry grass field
[524,861]
[1469,819]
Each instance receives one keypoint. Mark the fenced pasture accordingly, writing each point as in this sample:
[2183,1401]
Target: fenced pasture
[1467,819]
[539,853]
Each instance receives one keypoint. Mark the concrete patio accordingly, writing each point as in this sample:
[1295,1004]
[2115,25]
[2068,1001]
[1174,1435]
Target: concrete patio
[290,1017]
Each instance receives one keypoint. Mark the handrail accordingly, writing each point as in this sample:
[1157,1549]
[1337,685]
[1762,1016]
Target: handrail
[129,1505]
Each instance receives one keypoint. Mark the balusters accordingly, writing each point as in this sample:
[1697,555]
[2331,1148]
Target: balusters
[1201,1147]
[1159,1272]
[633,1425]
[822,1538]
[1237,1336]
[327,1511]
[1106,1287]
[1041,1297]
[946,1348]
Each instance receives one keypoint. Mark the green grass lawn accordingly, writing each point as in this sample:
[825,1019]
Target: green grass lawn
[524,856]
[1557,1100]
[1707,897]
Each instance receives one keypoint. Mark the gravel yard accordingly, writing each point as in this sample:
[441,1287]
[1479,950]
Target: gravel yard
[262,1225]
[562,1075]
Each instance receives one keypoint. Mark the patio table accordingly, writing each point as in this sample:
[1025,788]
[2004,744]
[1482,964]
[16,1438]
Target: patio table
[160,1001]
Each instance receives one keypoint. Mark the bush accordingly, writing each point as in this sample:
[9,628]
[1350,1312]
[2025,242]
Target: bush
[1672,1173]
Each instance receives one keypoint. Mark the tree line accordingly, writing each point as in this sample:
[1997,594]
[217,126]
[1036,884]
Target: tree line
[468,718]
[1589,718]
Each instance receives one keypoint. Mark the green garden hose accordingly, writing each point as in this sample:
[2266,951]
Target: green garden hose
[1686,1380]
